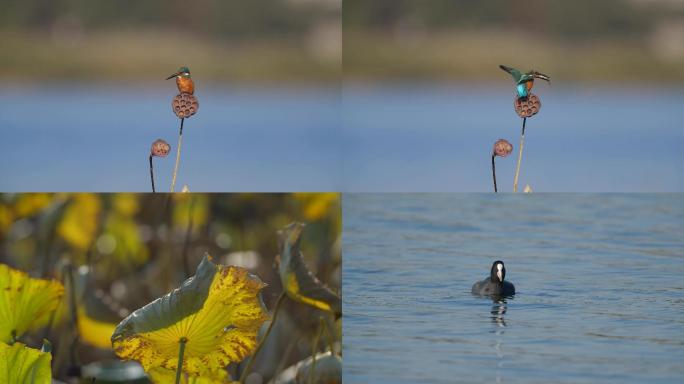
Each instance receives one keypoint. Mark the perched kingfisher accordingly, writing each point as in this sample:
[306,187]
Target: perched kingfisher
[183,80]
[524,81]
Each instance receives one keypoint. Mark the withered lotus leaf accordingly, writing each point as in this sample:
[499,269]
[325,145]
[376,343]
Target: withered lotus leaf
[217,313]
[299,283]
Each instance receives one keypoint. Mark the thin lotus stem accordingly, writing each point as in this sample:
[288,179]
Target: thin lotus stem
[179,369]
[47,248]
[152,174]
[73,355]
[188,235]
[520,152]
[283,361]
[494,171]
[314,350]
[178,152]
[48,328]
[329,335]
[243,376]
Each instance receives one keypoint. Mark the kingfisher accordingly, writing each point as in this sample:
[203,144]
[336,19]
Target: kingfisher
[183,80]
[524,81]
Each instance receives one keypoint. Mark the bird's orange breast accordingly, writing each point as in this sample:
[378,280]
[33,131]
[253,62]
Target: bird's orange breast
[529,84]
[185,85]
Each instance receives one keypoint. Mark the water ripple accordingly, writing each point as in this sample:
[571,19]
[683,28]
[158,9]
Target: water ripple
[600,293]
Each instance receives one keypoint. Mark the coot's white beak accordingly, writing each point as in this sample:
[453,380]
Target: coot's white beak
[499,267]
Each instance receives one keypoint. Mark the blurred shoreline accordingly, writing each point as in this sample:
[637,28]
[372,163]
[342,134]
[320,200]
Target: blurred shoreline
[610,41]
[474,55]
[142,55]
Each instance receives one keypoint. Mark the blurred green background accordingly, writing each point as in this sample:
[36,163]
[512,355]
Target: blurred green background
[252,41]
[594,41]
[125,250]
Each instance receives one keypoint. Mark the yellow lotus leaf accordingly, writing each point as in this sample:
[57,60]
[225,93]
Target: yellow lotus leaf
[299,283]
[6,218]
[79,223]
[318,205]
[190,206]
[28,204]
[129,249]
[24,301]
[125,203]
[217,313]
[20,364]
[96,320]
[94,332]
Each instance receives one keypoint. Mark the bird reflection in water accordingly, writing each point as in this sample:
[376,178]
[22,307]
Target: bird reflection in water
[498,320]
[498,311]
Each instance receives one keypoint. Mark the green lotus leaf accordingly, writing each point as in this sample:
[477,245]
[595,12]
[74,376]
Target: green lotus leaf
[25,301]
[20,364]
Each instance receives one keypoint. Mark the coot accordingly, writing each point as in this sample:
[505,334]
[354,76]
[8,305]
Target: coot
[494,284]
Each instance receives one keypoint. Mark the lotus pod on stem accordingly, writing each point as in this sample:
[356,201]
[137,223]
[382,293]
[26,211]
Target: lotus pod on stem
[502,148]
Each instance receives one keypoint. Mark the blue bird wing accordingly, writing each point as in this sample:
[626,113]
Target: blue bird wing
[512,71]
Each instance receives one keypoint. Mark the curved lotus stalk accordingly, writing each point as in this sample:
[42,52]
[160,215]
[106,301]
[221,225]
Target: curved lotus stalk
[160,148]
[502,148]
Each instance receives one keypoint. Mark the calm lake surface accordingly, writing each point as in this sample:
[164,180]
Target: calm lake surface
[411,138]
[419,138]
[600,294]
[97,138]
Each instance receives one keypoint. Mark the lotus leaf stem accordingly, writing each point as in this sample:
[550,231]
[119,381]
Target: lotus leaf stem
[263,339]
[314,350]
[179,369]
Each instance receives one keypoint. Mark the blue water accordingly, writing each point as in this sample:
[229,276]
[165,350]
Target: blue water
[94,138]
[385,138]
[439,139]
[600,294]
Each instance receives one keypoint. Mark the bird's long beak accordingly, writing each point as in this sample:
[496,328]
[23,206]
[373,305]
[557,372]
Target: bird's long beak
[542,76]
[498,274]
[172,76]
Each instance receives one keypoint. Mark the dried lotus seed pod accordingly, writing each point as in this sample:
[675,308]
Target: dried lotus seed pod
[527,107]
[502,148]
[184,105]
[160,148]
